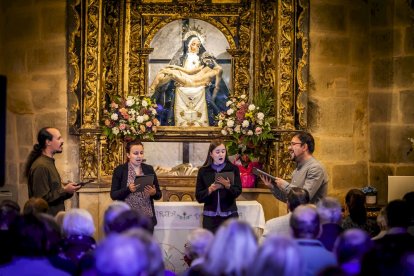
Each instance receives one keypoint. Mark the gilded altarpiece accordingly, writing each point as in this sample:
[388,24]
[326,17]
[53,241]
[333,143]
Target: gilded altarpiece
[108,49]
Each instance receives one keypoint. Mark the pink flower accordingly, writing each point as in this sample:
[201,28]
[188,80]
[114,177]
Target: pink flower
[148,124]
[114,105]
[258,130]
[122,126]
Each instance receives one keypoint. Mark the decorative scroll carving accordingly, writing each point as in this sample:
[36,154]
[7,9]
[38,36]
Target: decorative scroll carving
[88,158]
[90,104]
[73,65]
[303,64]
[285,117]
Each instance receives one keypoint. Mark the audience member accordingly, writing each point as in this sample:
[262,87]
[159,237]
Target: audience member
[356,214]
[35,205]
[330,215]
[31,246]
[232,251]
[409,198]
[350,248]
[78,229]
[390,250]
[278,255]
[9,212]
[281,225]
[196,248]
[111,213]
[306,226]
[131,219]
[153,251]
[119,254]
[382,224]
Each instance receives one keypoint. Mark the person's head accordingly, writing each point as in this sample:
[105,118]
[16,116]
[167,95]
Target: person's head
[351,246]
[198,242]
[193,45]
[35,205]
[297,196]
[130,219]
[49,142]
[113,210]
[278,255]
[53,233]
[121,255]
[156,265]
[382,219]
[397,213]
[217,153]
[208,59]
[305,222]
[409,199]
[233,249]
[355,204]
[135,152]
[329,210]
[301,146]
[78,222]
[9,211]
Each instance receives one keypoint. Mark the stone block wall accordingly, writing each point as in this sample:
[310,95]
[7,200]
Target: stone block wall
[33,54]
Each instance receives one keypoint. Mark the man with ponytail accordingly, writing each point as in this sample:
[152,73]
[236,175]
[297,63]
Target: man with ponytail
[43,178]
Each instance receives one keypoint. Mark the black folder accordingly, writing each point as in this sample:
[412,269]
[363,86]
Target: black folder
[141,181]
[225,175]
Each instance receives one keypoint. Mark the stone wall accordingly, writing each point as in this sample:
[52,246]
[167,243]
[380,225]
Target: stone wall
[33,58]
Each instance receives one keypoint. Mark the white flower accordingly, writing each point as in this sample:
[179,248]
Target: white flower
[114,116]
[237,129]
[224,132]
[144,103]
[220,123]
[130,101]
[245,123]
[140,119]
[153,111]
[230,111]
[230,123]
[228,103]
[243,97]
[260,116]
[146,117]
[115,130]
[252,107]
[250,133]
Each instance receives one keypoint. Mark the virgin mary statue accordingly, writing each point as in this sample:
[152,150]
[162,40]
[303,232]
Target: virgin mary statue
[190,106]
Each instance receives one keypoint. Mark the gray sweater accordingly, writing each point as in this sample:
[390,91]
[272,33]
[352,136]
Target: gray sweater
[309,175]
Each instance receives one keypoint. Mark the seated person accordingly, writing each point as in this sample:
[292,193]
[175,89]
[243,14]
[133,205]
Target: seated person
[330,215]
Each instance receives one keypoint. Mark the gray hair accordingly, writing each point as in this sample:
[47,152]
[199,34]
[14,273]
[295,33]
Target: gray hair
[78,222]
[112,212]
[329,210]
[198,242]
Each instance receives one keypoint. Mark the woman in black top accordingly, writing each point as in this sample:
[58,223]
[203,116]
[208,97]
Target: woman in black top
[218,194]
[124,187]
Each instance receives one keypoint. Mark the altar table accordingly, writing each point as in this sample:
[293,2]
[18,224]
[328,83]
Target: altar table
[177,219]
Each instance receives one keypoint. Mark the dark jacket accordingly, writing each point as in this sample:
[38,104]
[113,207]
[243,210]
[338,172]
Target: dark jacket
[120,190]
[205,177]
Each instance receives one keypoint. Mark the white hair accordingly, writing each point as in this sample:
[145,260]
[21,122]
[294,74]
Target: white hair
[112,212]
[78,222]
[329,210]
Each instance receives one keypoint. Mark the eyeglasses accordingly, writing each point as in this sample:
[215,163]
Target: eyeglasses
[293,143]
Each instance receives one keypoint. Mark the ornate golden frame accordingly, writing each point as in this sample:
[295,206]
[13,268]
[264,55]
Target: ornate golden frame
[108,48]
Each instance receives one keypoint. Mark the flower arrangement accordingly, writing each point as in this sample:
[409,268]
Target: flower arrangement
[369,190]
[131,118]
[248,125]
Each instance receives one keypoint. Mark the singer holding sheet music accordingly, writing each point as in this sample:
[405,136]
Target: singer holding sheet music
[218,186]
[128,182]
[309,173]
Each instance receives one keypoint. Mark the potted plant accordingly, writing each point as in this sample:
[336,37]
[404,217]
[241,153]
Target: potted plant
[370,194]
